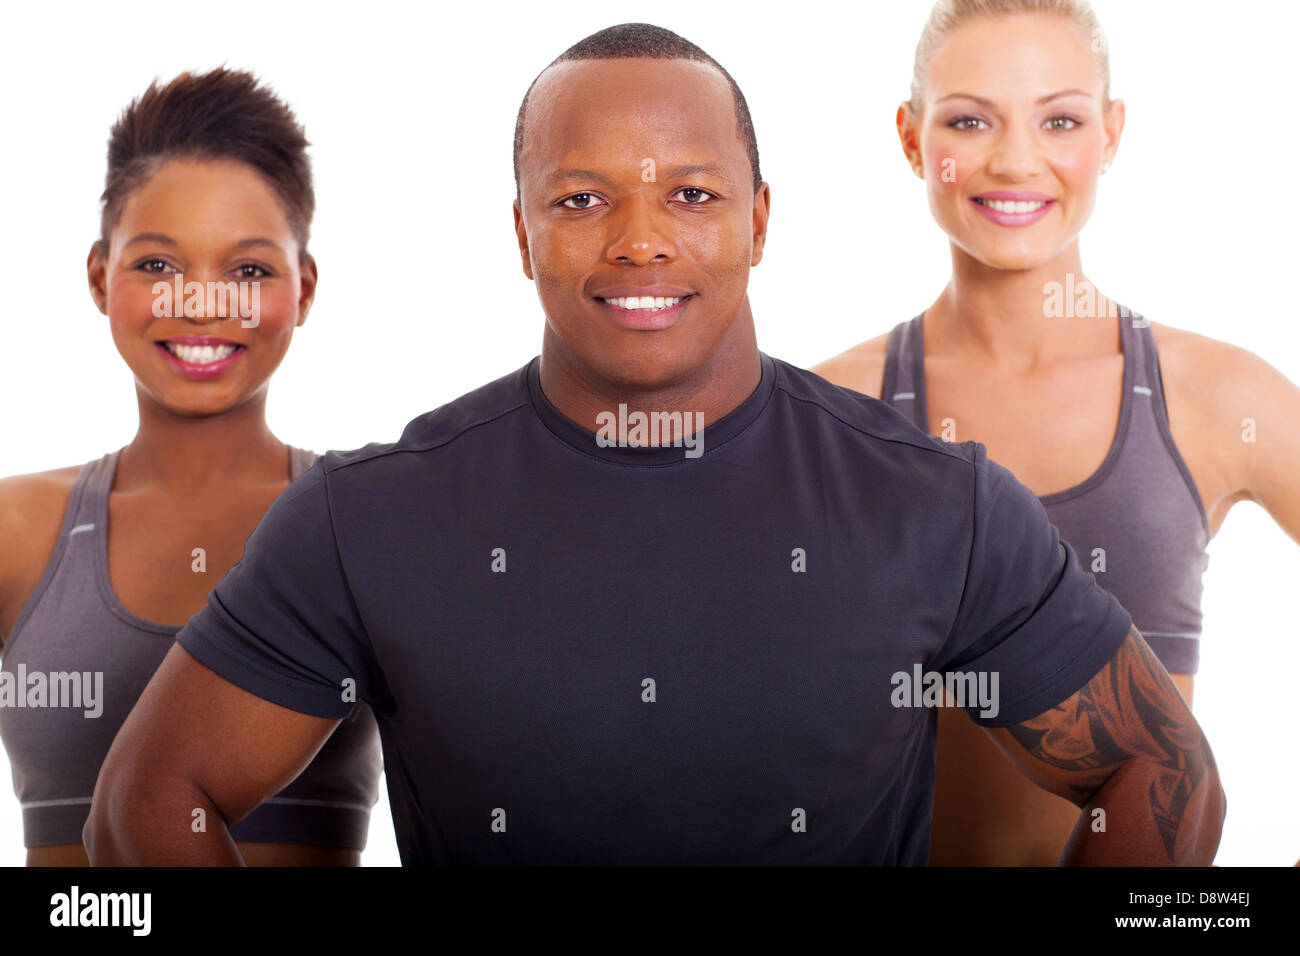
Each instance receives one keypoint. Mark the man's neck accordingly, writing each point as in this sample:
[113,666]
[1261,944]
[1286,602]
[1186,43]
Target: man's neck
[712,389]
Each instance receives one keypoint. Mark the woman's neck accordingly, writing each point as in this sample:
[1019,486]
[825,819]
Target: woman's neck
[189,456]
[1018,319]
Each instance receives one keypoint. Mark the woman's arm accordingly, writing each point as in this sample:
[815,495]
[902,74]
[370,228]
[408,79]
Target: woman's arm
[1236,419]
[1270,463]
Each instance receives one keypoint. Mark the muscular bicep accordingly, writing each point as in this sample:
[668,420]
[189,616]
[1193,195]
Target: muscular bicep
[193,728]
[1129,711]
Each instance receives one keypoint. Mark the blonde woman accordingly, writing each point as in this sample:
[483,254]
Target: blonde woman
[1011,126]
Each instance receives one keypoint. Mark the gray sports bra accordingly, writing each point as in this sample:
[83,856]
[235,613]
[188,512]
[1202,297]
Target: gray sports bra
[74,666]
[1138,523]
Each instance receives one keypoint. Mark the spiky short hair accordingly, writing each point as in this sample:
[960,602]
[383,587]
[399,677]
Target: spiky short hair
[221,114]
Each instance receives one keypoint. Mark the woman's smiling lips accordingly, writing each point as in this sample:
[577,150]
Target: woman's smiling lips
[644,308]
[200,357]
[1013,208]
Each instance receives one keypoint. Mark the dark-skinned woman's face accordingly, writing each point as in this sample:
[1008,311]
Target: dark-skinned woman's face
[218,227]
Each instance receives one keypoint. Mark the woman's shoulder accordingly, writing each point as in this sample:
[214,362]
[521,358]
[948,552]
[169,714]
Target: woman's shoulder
[1183,346]
[38,497]
[1221,398]
[861,368]
[1215,376]
[31,513]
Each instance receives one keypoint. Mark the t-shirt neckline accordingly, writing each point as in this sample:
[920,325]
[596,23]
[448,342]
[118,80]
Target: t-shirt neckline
[715,434]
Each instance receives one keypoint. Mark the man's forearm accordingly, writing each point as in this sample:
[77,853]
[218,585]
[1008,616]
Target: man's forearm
[1143,816]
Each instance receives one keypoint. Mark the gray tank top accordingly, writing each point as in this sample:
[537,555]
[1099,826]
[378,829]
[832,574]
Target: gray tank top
[74,666]
[1138,523]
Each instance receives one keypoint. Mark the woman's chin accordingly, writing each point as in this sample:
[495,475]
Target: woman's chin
[194,406]
[1008,259]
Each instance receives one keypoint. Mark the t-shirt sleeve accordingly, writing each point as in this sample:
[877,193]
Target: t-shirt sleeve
[1030,615]
[282,623]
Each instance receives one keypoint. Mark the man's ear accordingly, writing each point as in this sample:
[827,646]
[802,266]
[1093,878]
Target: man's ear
[762,210]
[307,278]
[97,274]
[521,233]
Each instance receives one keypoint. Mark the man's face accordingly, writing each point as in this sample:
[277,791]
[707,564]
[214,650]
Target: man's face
[637,218]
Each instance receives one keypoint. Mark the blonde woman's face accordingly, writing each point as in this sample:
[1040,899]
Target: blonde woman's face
[1013,136]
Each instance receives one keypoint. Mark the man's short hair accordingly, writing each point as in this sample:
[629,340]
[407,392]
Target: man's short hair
[630,40]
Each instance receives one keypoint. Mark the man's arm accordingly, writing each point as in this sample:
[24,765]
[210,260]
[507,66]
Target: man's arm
[1127,744]
[195,756]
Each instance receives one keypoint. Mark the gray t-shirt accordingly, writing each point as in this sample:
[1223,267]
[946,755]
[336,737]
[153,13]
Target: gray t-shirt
[580,654]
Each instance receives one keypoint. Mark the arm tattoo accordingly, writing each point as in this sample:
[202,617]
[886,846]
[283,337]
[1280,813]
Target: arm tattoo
[1129,709]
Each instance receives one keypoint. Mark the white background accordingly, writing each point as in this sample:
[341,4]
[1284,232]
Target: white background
[411,108]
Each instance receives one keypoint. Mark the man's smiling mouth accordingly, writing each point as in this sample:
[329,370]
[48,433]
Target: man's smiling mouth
[644,303]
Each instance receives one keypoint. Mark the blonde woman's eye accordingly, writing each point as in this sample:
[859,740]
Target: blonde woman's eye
[1060,123]
[967,123]
[582,201]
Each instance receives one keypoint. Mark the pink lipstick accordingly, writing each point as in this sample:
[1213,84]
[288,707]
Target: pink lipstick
[1013,209]
[200,358]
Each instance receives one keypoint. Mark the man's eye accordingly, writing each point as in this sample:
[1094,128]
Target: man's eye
[251,270]
[154,265]
[693,196]
[583,201]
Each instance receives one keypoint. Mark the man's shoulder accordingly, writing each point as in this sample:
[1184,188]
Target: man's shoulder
[472,412]
[864,418]
[851,417]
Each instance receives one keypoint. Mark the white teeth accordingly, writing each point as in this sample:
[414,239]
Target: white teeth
[1014,208]
[200,354]
[644,303]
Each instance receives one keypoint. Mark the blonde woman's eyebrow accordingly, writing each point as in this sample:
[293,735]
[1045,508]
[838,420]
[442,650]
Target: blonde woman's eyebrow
[1057,96]
[989,104]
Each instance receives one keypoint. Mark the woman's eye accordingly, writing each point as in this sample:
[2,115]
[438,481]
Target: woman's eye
[583,201]
[693,196]
[967,123]
[250,270]
[1057,123]
[154,265]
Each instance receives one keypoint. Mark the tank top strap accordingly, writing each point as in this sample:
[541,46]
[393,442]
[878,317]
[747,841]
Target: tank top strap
[904,380]
[1135,332]
[1146,377]
[79,517]
[92,508]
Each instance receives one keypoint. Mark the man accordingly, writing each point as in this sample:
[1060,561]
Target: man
[656,597]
